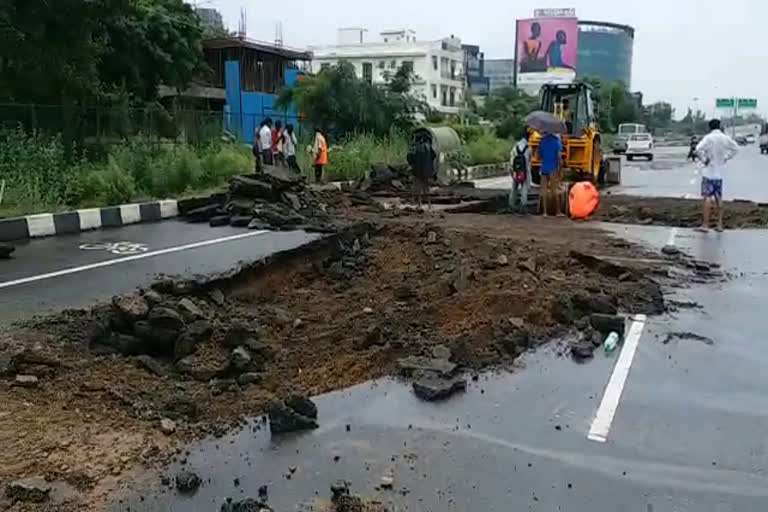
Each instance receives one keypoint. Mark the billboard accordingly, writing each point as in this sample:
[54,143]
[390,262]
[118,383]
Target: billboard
[546,51]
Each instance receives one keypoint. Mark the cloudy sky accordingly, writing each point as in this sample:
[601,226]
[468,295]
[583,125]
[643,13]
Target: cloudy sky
[684,49]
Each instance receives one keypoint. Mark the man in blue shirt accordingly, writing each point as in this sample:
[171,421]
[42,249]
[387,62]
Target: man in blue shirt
[549,152]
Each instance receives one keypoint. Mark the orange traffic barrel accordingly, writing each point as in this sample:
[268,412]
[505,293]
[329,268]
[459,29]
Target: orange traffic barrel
[584,199]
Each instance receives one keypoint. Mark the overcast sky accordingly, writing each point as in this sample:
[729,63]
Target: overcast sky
[684,49]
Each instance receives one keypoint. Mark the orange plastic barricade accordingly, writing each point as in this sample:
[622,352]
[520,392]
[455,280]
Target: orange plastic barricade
[584,199]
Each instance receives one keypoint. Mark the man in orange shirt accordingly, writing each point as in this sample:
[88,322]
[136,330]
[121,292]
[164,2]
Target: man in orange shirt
[320,154]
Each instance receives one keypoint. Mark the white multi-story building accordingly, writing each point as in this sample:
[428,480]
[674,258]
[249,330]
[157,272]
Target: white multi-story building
[436,65]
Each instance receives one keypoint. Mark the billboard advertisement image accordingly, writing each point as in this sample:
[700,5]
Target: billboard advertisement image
[546,51]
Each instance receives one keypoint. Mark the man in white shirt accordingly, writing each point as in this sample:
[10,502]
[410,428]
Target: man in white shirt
[265,141]
[714,151]
[520,172]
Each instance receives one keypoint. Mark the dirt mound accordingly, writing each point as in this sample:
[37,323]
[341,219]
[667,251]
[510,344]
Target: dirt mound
[677,212]
[466,292]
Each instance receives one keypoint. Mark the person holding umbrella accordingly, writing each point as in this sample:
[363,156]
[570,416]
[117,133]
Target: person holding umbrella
[550,148]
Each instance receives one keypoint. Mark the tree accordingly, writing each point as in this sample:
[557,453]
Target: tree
[507,108]
[658,117]
[152,42]
[75,51]
[615,104]
[340,103]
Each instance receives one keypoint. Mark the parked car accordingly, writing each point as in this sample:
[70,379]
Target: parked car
[751,139]
[640,144]
[741,140]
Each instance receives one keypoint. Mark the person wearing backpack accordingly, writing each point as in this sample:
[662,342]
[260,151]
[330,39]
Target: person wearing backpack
[520,173]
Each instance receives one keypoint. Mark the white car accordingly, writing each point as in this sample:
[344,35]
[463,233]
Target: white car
[640,144]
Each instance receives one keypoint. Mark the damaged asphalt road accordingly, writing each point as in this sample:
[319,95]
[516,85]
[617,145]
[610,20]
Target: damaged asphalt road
[205,355]
[151,400]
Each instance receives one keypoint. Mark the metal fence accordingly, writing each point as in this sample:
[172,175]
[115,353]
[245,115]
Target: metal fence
[100,127]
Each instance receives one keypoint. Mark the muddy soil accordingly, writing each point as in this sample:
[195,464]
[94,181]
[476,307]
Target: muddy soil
[677,212]
[484,287]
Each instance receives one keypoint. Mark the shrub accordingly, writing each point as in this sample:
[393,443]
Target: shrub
[488,149]
[510,127]
[36,169]
[219,163]
[354,156]
[174,171]
[137,156]
[115,184]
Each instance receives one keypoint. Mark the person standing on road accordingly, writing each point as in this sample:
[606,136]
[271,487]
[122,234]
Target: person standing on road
[257,148]
[714,150]
[520,172]
[319,154]
[422,160]
[265,141]
[550,148]
[289,148]
[277,145]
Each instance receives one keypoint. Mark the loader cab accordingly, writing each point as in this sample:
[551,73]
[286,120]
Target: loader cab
[573,103]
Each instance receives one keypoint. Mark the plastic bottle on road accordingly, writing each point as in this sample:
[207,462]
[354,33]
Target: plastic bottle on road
[611,341]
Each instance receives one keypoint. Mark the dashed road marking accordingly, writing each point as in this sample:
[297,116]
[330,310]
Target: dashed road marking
[601,425]
[117,261]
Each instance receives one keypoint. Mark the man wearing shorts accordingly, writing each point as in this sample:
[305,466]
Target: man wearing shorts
[550,148]
[714,151]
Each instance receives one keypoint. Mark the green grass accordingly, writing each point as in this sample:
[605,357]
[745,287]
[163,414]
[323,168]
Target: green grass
[41,176]
[352,157]
[488,149]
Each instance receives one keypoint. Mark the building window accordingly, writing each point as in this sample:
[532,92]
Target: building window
[453,70]
[444,95]
[434,62]
[386,40]
[392,64]
[434,91]
[452,98]
[382,64]
[368,72]
[408,64]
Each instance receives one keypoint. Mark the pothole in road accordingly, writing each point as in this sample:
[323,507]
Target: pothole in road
[432,298]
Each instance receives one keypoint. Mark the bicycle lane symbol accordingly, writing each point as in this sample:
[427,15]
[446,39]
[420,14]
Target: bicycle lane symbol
[117,248]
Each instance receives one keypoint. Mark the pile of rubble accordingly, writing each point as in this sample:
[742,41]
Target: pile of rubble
[275,199]
[393,179]
[175,336]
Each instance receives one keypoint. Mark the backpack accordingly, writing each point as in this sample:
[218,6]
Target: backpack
[519,165]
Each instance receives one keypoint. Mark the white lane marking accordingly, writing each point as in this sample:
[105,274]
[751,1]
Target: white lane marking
[601,425]
[169,208]
[89,218]
[41,225]
[126,259]
[130,213]
[672,236]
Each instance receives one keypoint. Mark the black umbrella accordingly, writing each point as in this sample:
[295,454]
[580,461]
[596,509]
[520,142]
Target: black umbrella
[545,122]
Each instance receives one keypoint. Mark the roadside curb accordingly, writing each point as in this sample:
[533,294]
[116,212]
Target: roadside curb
[50,224]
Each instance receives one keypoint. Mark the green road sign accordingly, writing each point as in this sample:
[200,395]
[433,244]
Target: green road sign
[724,102]
[733,102]
[747,103]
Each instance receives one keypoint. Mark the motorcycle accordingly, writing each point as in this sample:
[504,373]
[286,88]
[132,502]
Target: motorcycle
[692,156]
